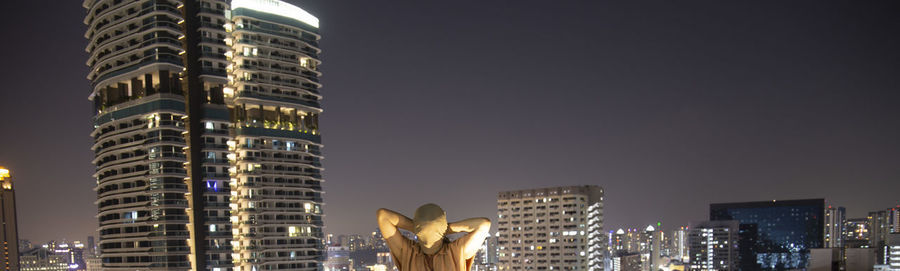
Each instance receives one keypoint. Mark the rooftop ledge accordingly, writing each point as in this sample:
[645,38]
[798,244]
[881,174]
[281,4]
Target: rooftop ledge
[279,8]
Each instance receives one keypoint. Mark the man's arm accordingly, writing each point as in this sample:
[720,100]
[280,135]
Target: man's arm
[478,229]
[390,222]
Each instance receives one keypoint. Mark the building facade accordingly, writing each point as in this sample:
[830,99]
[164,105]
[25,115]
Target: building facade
[55,256]
[44,259]
[274,105]
[648,243]
[92,263]
[714,245]
[9,230]
[881,224]
[559,228]
[857,233]
[680,245]
[892,252]
[207,146]
[486,259]
[338,259]
[835,221]
[775,235]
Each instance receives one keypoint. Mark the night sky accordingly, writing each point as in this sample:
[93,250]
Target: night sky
[669,105]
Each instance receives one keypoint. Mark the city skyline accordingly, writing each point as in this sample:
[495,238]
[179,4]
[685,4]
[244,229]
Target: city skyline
[669,113]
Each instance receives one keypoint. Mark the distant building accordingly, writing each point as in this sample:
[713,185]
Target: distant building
[338,259]
[558,228]
[91,246]
[377,241]
[680,245]
[857,233]
[656,251]
[714,245]
[825,259]
[894,220]
[25,245]
[859,259]
[835,220]
[93,263]
[353,242]
[648,243]
[627,262]
[486,259]
[775,235]
[878,222]
[9,233]
[881,224]
[892,251]
[44,258]
[75,254]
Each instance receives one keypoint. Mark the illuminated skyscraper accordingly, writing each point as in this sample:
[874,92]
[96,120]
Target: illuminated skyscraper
[274,105]
[559,228]
[206,134]
[9,232]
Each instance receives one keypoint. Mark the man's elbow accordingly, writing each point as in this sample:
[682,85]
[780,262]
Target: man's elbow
[484,222]
[381,214]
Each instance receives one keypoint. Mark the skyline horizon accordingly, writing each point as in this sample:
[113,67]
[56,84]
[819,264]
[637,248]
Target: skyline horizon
[666,226]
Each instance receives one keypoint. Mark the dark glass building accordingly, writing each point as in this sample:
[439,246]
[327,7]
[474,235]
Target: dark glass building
[775,235]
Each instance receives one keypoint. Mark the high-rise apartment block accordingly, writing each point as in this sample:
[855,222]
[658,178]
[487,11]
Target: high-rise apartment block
[207,146]
[775,235]
[714,245]
[9,231]
[559,228]
[835,221]
[680,245]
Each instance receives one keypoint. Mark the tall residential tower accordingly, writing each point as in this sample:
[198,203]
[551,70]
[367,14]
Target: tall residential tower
[714,245]
[558,228]
[207,145]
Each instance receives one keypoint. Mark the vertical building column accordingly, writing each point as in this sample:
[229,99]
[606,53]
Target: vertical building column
[164,85]
[195,98]
[148,84]
[294,125]
[278,115]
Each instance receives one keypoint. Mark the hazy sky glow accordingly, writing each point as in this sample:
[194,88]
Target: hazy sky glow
[669,105]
